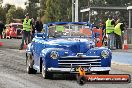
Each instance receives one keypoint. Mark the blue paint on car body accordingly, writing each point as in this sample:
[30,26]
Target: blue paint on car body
[67,52]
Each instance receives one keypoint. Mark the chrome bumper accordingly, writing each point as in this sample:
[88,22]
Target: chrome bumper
[72,70]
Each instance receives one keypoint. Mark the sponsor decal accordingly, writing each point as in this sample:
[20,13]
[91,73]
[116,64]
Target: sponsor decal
[111,78]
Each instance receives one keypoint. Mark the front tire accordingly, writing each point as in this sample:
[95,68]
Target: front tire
[29,65]
[46,74]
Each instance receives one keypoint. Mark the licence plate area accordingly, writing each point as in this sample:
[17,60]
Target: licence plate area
[76,69]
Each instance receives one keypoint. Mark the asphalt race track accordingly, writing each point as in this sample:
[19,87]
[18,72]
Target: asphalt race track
[13,74]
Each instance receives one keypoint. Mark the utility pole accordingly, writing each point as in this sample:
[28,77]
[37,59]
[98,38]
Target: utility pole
[76,10]
[73,3]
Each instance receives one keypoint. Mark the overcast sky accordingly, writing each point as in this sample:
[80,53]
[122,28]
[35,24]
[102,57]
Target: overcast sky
[18,3]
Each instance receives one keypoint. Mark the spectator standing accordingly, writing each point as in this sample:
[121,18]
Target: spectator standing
[118,34]
[33,28]
[27,30]
[110,23]
[38,25]
[2,26]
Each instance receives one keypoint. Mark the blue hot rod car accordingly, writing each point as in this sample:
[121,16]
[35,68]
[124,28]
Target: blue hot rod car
[63,47]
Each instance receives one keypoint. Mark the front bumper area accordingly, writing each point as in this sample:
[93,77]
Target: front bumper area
[73,70]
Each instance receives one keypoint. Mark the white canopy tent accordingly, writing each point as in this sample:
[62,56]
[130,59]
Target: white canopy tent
[129,9]
[88,9]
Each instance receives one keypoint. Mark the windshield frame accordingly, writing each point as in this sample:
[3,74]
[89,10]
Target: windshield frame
[47,26]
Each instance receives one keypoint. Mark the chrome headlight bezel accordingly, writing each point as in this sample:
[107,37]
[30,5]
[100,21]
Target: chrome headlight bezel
[54,54]
[105,54]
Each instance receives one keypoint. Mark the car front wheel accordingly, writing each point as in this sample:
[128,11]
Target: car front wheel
[29,65]
[46,74]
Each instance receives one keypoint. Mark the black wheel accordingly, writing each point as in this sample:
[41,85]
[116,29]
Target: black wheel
[103,73]
[29,65]
[9,37]
[45,74]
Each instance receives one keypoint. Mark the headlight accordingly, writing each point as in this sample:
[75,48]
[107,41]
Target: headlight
[54,54]
[105,54]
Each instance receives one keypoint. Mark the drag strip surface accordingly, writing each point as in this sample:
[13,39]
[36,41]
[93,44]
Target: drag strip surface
[13,75]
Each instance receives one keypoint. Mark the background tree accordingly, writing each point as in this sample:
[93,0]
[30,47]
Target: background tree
[2,14]
[32,8]
[7,7]
[1,1]
[20,13]
[14,12]
[57,10]
[10,14]
[42,7]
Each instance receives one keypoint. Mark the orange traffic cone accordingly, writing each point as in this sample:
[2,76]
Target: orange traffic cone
[25,46]
[125,45]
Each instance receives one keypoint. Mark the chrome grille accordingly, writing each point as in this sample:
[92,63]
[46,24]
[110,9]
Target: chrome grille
[87,61]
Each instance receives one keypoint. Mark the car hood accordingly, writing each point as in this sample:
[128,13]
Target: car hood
[75,45]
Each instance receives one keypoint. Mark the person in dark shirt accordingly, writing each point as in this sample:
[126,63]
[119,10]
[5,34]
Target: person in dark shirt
[2,26]
[33,27]
[38,25]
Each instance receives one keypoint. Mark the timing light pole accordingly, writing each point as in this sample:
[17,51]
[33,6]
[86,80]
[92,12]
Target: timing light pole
[75,10]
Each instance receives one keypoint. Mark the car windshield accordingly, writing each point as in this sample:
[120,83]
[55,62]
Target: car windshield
[69,31]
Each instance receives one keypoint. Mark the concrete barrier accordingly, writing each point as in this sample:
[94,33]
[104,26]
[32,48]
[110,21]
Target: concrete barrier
[10,43]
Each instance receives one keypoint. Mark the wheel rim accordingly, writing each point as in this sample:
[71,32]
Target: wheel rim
[28,64]
[43,71]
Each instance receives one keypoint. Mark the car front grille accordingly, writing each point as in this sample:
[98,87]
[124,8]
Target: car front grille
[87,61]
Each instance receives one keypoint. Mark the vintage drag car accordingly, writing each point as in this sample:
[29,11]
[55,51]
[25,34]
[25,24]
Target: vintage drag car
[13,30]
[63,48]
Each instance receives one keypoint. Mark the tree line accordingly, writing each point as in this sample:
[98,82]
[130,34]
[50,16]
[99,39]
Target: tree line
[56,10]
[8,12]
